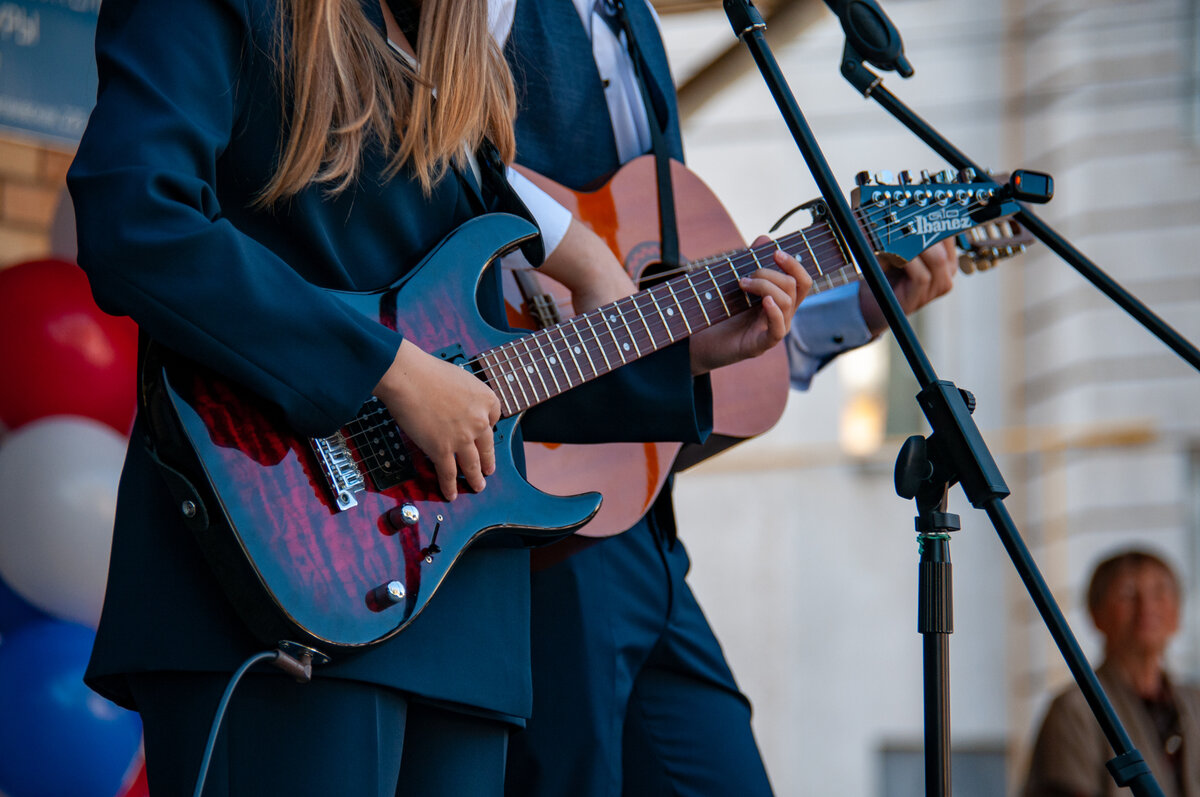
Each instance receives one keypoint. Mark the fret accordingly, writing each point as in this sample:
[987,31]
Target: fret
[642,318]
[613,334]
[518,376]
[512,376]
[586,350]
[824,283]
[758,258]
[571,350]
[811,253]
[550,360]
[699,301]
[608,366]
[531,368]
[666,326]
[712,276]
[557,359]
[831,253]
[500,383]
[841,245]
[682,313]
[637,350]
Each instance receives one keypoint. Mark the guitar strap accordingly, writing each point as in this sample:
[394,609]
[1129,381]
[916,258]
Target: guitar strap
[617,18]
[661,510]
[493,175]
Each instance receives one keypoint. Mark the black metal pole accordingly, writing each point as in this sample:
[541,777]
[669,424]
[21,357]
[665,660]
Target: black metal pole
[956,450]
[935,623]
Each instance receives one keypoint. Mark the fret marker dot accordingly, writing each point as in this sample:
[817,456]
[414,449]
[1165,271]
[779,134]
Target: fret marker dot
[552,361]
[626,347]
[612,318]
[708,294]
[670,311]
[509,377]
[578,350]
[529,369]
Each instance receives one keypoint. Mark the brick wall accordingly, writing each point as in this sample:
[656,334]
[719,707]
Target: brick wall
[32,181]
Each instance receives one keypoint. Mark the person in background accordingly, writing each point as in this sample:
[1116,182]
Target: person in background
[1134,601]
[632,693]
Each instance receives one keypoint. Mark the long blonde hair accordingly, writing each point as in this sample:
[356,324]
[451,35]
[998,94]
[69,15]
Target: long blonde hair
[348,88]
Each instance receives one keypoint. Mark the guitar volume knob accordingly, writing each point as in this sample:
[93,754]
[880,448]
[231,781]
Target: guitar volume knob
[389,594]
[404,515]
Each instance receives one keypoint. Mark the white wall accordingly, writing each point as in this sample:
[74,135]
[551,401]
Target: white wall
[805,561]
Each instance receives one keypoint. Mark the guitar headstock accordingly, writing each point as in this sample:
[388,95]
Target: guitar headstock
[903,218]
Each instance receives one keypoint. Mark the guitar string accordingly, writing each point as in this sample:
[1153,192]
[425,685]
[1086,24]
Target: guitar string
[823,232]
[757,253]
[820,236]
[544,340]
[752,253]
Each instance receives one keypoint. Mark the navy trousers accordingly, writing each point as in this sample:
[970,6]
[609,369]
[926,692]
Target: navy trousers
[332,737]
[632,694]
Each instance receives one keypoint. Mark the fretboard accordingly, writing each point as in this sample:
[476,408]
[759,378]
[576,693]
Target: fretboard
[539,366]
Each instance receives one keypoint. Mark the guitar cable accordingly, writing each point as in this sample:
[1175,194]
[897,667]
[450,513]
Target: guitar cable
[300,668]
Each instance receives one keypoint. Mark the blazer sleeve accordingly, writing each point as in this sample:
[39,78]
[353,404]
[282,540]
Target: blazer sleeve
[153,237]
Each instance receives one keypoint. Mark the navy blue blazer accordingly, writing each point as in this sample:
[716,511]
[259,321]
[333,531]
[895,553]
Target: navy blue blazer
[185,132]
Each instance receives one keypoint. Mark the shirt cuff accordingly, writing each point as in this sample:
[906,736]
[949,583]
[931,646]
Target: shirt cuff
[551,217]
[825,326]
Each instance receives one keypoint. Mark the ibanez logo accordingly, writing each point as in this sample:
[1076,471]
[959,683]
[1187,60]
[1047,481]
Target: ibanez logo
[936,225]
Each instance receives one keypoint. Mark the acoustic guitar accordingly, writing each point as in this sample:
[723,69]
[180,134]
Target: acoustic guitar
[749,396]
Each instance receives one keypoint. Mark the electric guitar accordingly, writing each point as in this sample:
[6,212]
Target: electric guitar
[338,543]
[749,396]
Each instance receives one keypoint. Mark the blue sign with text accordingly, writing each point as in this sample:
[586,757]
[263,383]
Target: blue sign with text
[47,66]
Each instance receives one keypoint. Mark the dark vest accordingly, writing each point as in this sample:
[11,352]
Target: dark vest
[559,89]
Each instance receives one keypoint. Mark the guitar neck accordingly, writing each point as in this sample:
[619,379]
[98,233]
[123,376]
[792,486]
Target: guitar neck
[537,367]
[818,248]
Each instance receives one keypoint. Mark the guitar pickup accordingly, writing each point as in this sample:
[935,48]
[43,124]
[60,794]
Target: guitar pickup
[380,447]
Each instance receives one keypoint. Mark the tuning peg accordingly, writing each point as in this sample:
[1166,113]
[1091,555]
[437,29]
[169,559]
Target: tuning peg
[944,176]
[862,178]
[904,178]
[926,177]
[966,264]
[884,177]
[966,175]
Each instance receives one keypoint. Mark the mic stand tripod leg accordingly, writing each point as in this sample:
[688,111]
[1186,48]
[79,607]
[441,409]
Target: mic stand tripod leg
[935,623]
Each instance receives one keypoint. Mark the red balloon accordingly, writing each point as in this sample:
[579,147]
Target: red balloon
[62,355]
[135,782]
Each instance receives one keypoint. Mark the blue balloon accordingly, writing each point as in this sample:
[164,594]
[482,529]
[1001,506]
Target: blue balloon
[57,737]
[15,611]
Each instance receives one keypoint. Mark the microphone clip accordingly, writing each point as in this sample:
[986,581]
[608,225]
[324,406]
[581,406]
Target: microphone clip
[870,37]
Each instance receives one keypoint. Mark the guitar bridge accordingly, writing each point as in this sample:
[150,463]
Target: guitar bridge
[341,470]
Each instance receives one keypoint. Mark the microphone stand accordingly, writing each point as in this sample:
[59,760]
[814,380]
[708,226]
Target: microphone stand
[955,451]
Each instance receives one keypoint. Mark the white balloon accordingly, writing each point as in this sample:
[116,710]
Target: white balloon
[58,498]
